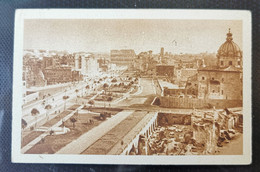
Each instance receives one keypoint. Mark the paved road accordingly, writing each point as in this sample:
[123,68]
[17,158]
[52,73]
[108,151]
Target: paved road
[57,105]
[147,88]
[58,97]
[42,118]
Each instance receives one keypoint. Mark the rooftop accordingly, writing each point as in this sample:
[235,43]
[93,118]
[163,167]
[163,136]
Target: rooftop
[218,69]
[169,85]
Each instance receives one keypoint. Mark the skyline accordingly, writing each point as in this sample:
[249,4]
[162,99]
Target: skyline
[176,36]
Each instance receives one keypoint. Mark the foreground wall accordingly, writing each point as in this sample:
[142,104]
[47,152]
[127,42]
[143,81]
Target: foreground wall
[174,102]
[165,119]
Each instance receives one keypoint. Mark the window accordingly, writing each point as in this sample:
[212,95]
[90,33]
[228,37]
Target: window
[238,63]
[230,63]
[222,79]
[213,78]
[221,63]
[213,91]
[203,78]
[222,92]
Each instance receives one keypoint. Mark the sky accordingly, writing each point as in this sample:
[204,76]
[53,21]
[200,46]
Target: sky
[98,35]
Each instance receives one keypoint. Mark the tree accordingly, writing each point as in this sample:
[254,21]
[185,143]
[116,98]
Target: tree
[35,112]
[65,98]
[51,132]
[76,95]
[109,99]
[73,120]
[47,108]
[24,124]
[114,80]
[102,116]
[105,86]
[87,87]
[91,102]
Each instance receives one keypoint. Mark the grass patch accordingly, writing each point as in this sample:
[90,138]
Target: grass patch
[54,143]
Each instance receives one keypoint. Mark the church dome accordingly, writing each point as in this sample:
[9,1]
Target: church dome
[229,48]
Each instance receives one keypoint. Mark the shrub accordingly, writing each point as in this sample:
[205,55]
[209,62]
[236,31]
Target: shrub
[114,80]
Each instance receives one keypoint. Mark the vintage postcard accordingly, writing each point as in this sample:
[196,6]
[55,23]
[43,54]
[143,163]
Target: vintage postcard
[132,87]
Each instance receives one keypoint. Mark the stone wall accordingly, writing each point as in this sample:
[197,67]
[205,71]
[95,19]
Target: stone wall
[171,119]
[189,103]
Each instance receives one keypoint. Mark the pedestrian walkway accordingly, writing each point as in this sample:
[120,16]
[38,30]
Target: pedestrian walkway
[49,87]
[59,106]
[40,118]
[36,140]
[105,143]
[90,137]
[118,148]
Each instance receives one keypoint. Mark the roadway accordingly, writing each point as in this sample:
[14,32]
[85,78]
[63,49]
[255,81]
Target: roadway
[106,138]
[57,102]
[146,88]
[103,138]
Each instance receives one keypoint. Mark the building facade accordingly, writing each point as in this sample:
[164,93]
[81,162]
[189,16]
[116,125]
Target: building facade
[165,70]
[223,81]
[86,64]
[123,57]
[61,74]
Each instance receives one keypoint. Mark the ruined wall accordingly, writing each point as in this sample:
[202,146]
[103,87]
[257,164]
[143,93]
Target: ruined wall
[171,119]
[190,103]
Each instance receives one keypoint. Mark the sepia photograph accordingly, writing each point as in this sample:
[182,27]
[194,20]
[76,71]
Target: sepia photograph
[136,89]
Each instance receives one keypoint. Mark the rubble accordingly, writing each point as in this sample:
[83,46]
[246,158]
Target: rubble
[207,131]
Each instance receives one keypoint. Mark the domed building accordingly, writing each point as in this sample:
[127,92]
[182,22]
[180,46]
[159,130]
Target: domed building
[229,53]
[223,81]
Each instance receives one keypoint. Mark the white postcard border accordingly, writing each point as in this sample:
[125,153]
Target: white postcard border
[21,14]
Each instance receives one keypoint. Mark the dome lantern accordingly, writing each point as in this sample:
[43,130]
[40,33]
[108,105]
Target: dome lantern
[229,53]
[229,36]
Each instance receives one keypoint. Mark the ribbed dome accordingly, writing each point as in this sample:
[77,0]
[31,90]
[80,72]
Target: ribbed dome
[229,48]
